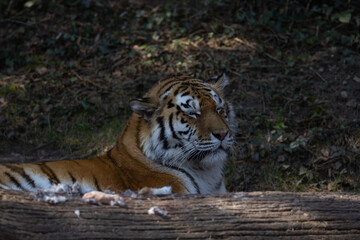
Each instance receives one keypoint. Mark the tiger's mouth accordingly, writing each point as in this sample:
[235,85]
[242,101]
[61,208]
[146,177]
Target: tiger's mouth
[201,154]
[213,146]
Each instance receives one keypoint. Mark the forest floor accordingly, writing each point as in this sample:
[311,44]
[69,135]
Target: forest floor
[68,70]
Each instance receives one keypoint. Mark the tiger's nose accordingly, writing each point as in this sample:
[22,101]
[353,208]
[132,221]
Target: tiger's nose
[220,134]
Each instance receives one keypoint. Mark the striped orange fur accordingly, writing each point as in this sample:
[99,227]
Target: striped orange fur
[179,136]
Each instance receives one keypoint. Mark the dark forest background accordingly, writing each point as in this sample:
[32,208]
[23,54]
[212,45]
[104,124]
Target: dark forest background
[69,68]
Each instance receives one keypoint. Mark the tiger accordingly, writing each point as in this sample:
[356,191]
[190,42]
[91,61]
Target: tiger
[179,135]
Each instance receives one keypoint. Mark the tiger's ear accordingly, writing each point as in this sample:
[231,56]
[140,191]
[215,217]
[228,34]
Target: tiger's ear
[143,107]
[220,81]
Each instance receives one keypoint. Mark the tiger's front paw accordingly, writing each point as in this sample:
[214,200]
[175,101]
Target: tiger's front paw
[96,197]
[156,191]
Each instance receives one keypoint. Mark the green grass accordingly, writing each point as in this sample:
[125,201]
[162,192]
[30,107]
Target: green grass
[81,137]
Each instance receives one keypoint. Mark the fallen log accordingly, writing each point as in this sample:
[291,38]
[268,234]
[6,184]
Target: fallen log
[260,215]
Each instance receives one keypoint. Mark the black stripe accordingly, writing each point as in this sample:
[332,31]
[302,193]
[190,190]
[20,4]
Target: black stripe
[138,129]
[227,109]
[72,177]
[170,104]
[181,88]
[179,145]
[185,105]
[50,173]
[185,84]
[96,184]
[171,86]
[178,110]
[176,92]
[167,83]
[22,173]
[108,154]
[13,180]
[194,83]
[160,121]
[191,133]
[194,114]
[180,79]
[188,175]
[185,94]
[172,127]
[184,132]
[76,162]
[207,89]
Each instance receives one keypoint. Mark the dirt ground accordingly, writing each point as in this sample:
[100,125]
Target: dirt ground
[68,70]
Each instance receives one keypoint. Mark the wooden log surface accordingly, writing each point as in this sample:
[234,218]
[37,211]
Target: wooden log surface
[255,215]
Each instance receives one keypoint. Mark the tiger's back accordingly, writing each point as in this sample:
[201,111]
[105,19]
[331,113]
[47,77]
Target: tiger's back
[179,135]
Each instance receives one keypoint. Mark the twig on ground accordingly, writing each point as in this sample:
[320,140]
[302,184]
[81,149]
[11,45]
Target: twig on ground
[319,76]
[89,81]
[254,48]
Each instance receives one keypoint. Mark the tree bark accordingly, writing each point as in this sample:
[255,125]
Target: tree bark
[260,215]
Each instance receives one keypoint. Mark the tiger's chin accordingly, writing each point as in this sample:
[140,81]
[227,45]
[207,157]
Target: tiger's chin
[212,158]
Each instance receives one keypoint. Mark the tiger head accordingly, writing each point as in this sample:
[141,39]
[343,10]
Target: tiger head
[186,121]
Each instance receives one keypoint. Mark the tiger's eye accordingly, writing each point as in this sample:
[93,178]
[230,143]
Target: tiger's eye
[194,114]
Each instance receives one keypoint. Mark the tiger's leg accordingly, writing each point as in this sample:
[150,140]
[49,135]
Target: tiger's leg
[105,198]
[166,190]
[116,199]
[21,177]
[91,174]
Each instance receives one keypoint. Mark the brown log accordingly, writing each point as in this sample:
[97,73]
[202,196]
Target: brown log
[256,215]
